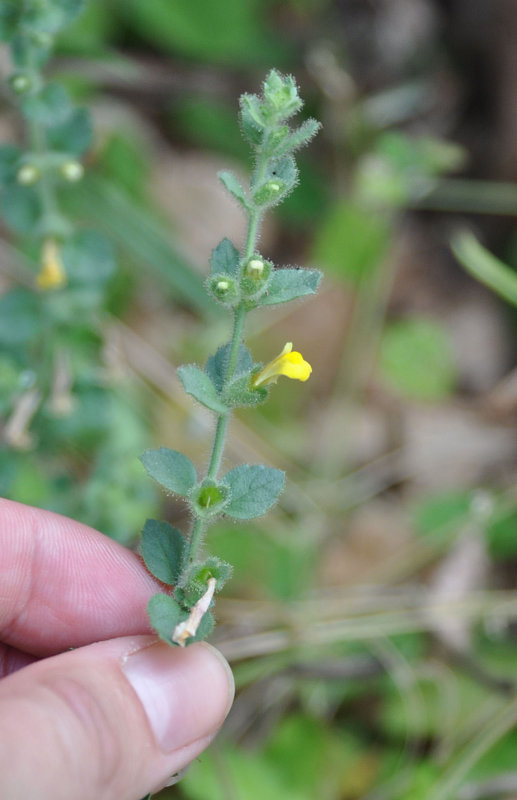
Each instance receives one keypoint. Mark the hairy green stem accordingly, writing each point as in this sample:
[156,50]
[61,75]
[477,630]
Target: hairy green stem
[195,540]
[238,332]
[223,420]
[218,446]
[253,228]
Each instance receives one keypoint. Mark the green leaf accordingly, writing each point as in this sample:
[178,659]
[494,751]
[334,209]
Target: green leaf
[20,206]
[232,185]
[9,18]
[282,172]
[288,284]
[198,384]
[74,135]
[240,393]
[20,317]
[165,613]
[163,549]
[9,162]
[251,119]
[88,258]
[254,489]
[225,259]
[50,106]
[217,365]
[171,469]
[485,267]
[299,138]
[416,359]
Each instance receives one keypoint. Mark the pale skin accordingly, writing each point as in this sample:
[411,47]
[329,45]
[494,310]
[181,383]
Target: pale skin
[118,715]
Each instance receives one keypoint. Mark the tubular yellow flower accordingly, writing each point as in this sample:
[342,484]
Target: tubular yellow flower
[52,274]
[290,364]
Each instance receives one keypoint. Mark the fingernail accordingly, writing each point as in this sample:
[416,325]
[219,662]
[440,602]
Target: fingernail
[186,693]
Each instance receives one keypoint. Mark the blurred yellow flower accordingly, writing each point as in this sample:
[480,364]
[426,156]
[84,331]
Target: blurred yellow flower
[52,274]
[290,364]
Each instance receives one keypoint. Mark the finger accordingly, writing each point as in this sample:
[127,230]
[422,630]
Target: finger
[62,584]
[108,721]
[12,659]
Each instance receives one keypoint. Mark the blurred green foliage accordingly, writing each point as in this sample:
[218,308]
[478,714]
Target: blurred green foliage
[416,359]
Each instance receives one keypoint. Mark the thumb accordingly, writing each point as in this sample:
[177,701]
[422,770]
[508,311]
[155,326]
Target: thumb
[111,721]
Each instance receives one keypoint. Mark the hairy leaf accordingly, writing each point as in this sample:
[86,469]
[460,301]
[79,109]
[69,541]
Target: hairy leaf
[254,489]
[225,259]
[198,384]
[217,365]
[165,613]
[289,284]
[163,549]
[171,469]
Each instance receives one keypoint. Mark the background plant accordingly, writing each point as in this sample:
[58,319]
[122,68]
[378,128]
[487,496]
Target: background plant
[57,400]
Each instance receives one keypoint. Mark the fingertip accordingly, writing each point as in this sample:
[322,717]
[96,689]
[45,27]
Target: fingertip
[186,693]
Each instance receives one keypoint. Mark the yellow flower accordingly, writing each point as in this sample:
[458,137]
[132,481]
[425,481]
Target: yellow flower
[287,363]
[52,274]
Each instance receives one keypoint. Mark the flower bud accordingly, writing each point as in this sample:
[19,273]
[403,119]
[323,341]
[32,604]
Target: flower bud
[254,268]
[28,175]
[72,171]
[281,95]
[224,289]
[20,83]
[268,193]
[255,279]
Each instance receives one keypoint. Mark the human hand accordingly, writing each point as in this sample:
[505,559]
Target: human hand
[116,717]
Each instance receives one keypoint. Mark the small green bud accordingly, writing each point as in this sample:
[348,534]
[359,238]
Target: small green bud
[268,193]
[20,83]
[224,289]
[72,171]
[28,175]
[255,279]
[281,95]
